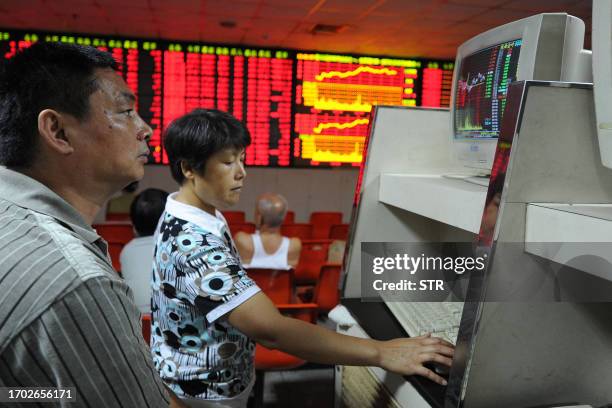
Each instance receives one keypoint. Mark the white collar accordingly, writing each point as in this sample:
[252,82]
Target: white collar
[187,212]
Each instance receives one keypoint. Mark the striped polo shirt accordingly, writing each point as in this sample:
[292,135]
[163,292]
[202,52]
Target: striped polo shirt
[66,318]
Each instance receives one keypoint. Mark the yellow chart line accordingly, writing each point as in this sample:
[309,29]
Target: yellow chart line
[355,72]
[322,126]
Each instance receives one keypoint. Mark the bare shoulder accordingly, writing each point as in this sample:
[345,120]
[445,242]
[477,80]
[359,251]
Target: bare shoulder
[244,245]
[242,237]
[295,243]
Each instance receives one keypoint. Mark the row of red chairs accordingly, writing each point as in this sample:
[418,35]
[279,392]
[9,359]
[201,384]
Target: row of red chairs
[121,231]
[313,256]
[239,217]
[318,226]
[301,230]
[280,286]
[117,234]
[236,217]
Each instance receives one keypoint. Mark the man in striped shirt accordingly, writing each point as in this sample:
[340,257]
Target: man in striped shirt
[69,138]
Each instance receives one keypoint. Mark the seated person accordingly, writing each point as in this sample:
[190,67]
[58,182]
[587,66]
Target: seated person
[207,313]
[137,255]
[267,248]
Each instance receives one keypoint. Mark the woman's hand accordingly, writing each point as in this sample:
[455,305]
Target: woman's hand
[407,356]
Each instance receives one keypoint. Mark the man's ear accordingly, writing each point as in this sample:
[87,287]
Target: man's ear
[187,170]
[51,129]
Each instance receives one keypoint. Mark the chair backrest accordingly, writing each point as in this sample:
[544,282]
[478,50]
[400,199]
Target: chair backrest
[289,217]
[327,293]
[145,321]
[247,227]
[277,284]
[302,231]
[118,232]
[322,221]
[339,231]
[118,217]
[234,217]
[114,250]
[313,255]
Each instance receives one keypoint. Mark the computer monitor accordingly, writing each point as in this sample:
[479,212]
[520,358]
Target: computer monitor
[544,47]
[602,77]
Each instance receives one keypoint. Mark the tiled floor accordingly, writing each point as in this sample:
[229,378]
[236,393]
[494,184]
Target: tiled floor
[302,388]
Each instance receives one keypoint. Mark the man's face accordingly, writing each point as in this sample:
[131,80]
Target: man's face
[224,174]
[111,142]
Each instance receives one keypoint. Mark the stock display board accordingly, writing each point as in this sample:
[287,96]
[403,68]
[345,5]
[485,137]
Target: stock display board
[335,93]
[302,109]
[253,85]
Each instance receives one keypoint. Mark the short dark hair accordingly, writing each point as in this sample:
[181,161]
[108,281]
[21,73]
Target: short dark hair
[146,209]
[196,136]
[46,75]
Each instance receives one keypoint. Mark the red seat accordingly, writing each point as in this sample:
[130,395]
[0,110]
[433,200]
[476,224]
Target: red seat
[247,227]
[339,231]
[322,222]
[266,359]
[277,284]
[114,250]
[117,232]
[234,217]
[118,217]
[289,218]
[302,231]
[327,292]
[145,320]
[313,255]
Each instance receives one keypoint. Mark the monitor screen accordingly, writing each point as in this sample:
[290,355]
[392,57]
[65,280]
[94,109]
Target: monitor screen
[481,90]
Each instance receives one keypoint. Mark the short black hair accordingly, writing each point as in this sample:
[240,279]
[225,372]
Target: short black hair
[196,136]
[45,75]
[146,209]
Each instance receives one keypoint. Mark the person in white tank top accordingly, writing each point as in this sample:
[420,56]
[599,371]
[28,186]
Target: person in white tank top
[267,248]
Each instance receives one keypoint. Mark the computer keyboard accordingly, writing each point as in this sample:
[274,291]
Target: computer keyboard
[441,319]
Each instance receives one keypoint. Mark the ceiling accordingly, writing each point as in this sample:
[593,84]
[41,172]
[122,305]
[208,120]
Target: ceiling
[416,28]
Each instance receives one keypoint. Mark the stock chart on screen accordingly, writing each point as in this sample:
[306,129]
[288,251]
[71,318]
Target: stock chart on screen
[301,109]
[481,90]
[334,96]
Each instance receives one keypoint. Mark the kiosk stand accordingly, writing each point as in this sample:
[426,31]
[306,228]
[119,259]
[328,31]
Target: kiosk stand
[535,330]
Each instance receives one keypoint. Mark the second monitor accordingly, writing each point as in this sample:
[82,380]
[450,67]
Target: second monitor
[545,47]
